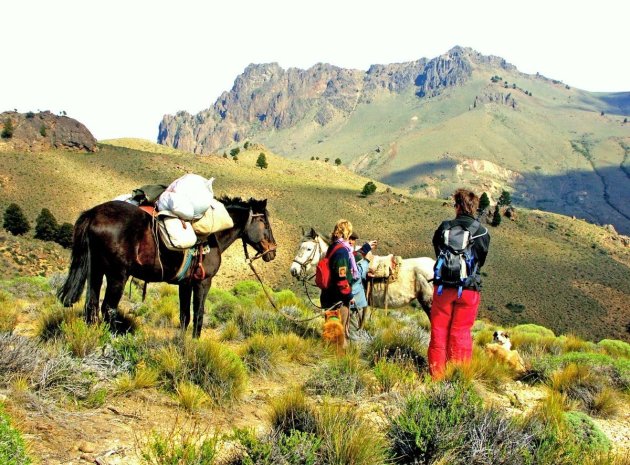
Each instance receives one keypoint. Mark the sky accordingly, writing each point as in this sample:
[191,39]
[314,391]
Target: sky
[118,66]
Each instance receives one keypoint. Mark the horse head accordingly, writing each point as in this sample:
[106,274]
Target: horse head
[310,250]
[257,232]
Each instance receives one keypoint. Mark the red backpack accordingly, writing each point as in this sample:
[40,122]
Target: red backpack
[322,270]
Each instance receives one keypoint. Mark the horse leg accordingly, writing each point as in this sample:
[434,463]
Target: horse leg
[200,292]
[93,294]
[185,292]
[113,294]
[364,315]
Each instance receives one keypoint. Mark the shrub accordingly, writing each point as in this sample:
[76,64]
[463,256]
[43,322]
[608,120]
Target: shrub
[337,161]
[482,368]
[180,446]
[298,350]
[254,320]
[7,130]
[295,447]
[20,356]
[496,217]
[144,377]
[46,226]
[216,369]
[82,339]
[223,305]
[42,130]
[9,309]
[348,438]
[230,332]
[405,346]
[574,344]
[340,376]
[260,354]
[12,450]
[588,435]
[368,189]
[190,396]
[290,411]
[615,347]
[390,374]
[49,323]
[578,382]
[15,221]
[235,151]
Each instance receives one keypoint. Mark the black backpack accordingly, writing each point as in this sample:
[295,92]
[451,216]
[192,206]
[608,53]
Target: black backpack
[456,264]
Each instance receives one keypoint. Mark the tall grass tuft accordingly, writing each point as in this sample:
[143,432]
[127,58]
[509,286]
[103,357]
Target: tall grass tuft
[405,346]
[216,369]
[578,382]
[261,354]
[190,396]
[389,375]
[9,309]
[298,349]
[482,368]
[348,438]
[49,322]
[182,445]
[83,339]
[12,448]
[291,411]
[339,376]
[144,377]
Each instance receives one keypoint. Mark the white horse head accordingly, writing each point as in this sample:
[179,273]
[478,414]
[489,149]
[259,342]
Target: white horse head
[310,251]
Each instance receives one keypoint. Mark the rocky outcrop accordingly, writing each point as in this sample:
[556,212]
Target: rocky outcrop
[266,97]
[36,132]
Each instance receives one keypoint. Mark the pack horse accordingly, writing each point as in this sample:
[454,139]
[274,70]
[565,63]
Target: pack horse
[413,277]
[118,240]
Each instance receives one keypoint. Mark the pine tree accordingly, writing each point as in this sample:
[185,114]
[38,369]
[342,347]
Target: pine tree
[46,226]
[7,131]
[64,235]
[484,202]
[261,162]
[15,221]
[337,161]
[496,219]
[505,199]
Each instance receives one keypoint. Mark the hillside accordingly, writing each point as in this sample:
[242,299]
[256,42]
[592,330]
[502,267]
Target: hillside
[544,268]
[432,124]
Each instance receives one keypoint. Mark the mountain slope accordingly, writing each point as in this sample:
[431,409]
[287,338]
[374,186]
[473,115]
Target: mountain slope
[563,273]
[431,125]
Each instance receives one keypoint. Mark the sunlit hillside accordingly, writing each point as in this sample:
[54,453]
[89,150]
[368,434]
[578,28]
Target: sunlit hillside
[543,268]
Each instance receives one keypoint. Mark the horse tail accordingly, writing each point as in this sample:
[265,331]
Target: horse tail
[72,289]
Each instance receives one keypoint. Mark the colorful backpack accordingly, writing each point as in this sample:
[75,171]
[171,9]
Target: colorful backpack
[322,270]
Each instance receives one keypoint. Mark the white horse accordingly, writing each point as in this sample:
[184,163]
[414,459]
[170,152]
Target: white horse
[414,279]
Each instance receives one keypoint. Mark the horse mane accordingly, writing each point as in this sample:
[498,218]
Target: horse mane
[258,206]
[312,234]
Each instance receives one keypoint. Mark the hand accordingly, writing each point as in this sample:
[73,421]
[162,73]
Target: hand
[373,244]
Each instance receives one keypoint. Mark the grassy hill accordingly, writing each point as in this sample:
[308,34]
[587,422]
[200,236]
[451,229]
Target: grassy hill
[544,268]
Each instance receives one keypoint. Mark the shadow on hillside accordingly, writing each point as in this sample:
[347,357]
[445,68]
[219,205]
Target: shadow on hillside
[599,197]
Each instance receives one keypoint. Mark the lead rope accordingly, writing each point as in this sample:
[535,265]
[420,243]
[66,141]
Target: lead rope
[288,317]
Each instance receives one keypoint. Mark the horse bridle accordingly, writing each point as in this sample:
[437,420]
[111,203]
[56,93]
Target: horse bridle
[251,217]
[308,260]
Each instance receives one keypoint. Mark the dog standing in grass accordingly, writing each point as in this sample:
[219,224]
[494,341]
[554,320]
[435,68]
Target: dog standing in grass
[501,348]
[334,332]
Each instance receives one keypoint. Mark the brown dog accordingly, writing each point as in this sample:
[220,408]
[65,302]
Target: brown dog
[334,331]
[501,349]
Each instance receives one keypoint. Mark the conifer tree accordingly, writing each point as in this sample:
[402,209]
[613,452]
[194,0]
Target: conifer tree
[505,199]
[496,219]
[64,235]
[15,221]
[368,189]
[484,202]
[261,162]
[46,226]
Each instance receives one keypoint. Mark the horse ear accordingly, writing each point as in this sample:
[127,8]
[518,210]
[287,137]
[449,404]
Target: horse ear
[302,229]
[264,203]
[313,233]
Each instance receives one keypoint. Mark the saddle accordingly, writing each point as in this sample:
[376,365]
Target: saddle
[385,267]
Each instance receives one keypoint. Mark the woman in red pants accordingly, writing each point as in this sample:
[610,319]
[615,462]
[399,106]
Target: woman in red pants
[461,246]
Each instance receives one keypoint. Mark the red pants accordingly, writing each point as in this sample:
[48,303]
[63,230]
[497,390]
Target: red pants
[451,322]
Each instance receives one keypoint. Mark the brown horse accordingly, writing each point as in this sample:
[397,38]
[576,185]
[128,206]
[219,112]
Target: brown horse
[118,240]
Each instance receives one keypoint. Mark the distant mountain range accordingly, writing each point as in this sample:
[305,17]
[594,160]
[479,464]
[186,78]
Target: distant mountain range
[433,124]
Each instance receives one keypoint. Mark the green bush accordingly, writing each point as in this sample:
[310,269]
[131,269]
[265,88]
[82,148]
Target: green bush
[81,338]
[368,189]
[406,346]
[586,433]
[615,347]
[15,221]
[46,226]
[293,448]
[260,354]
[222,306]
[179,448]
[341,376]
[8,312]
[12,450]
[7,130]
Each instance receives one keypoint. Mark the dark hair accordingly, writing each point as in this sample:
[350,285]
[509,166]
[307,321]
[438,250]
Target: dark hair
[467,201]
[354,236]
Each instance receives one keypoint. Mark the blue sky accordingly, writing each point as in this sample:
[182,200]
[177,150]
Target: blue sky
[119,66]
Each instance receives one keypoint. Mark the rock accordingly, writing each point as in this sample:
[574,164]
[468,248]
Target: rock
[510,212]
[38,132]
[87,447]
[610,228]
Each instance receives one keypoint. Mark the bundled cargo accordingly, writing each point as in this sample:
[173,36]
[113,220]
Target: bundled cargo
[188,197]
